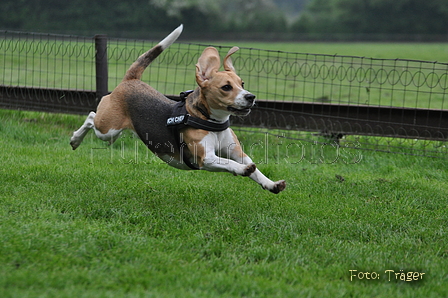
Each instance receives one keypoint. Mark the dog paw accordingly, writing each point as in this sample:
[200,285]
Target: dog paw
[74,144]
[278,186]
[249,169]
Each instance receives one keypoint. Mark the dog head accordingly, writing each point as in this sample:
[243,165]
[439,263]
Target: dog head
[223,90]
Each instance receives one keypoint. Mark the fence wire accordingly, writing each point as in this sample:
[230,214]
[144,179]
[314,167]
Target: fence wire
[51,72]
[36,61]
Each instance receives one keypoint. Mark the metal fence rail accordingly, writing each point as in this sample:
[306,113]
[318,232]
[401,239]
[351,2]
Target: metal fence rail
[351,120]
[48,100]
[379,103]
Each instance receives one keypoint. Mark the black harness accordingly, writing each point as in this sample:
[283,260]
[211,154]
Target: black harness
[180,119]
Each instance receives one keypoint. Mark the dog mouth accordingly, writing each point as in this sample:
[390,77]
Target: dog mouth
[239,112]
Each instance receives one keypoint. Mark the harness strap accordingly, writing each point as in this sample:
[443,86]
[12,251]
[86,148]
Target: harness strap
[180,119]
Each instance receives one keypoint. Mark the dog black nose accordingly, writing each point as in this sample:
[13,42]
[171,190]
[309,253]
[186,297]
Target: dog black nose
[249,97]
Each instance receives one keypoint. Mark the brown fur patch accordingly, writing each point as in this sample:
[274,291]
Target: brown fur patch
[197,106]
[112,113]
[138,67]
[192,137]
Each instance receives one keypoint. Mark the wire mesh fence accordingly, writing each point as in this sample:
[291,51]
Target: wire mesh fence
[47,61]
[346,79]
[392,105]
[46,72]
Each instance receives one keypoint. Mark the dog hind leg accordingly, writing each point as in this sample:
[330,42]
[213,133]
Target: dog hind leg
[111,136]
[78,135]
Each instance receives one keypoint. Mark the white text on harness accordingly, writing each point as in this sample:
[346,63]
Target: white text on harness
[175,120]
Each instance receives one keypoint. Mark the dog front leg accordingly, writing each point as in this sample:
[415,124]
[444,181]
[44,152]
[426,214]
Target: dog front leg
[240,158]
[265,182]
[213,163]
[235,152]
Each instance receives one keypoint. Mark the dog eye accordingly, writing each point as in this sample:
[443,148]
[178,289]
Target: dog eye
[242,84]
[226,87]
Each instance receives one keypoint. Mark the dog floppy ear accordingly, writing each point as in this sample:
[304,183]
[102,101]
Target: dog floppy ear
[228,65]
[208,64]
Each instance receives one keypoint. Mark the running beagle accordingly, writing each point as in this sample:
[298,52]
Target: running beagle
[191,134]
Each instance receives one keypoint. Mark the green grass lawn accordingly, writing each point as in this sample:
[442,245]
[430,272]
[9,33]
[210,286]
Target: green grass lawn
[117,222]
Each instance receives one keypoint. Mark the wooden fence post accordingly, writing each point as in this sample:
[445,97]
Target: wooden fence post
[101,65]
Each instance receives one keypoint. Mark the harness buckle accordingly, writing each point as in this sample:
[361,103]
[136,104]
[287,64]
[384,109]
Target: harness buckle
[183,95]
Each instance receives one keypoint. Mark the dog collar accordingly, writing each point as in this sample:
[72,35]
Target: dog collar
[180,118]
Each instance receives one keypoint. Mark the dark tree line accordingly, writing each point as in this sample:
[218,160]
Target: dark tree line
[375,16]
[140,15]
[227,16]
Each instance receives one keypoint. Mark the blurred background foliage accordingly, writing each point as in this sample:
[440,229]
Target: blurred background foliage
[230,19]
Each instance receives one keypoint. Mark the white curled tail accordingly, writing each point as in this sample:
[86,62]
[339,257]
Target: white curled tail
[138,67]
